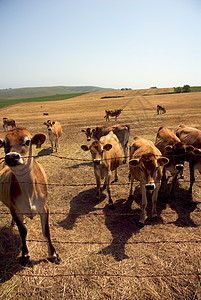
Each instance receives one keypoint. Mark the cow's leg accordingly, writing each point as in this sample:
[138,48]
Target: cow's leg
[116,176]
[108,178]
[154,201]
[131,187]
[53,256]
[192,179]
[56,144]
[174,180]
[144,205]
[125,153]
[98,184]
[23,233]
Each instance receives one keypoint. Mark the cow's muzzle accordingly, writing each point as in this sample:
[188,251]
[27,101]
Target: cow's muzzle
[97,162]
[13,159]
[150,186]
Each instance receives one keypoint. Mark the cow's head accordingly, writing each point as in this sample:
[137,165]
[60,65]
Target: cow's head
[17,146]
[88,133]
[178,153]
[97,151]
[49,124]
[150,168]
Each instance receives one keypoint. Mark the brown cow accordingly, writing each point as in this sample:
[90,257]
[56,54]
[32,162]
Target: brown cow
[54,132]
[121,131]
[23,185]
[8,122]
[175,150]
[160,109]
[146,166]
[107,155]
[191,136]
[112,113]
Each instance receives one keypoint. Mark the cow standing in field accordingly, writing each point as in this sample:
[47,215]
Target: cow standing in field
[54,132]
[8,122]
[174,149]
[160,109]
[121,131]
[191,136]
[112,113]
[146,166]
[23,186]
[106,156]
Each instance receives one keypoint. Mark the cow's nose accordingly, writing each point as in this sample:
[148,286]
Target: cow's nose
[96,162]
[12,159]
[88,139]
[179,167]
[150,187]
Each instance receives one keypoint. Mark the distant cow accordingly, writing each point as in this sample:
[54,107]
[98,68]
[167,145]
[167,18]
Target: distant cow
[122,132]
[112,113]
[146,166]
[160,110]
[106,156]
[54,132]
[8,122]
[23,185]
[191,136]
[174,149]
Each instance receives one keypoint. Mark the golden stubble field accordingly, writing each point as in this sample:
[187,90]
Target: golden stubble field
[105,254]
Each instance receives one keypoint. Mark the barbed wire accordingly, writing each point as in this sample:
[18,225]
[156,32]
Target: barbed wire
[103,275]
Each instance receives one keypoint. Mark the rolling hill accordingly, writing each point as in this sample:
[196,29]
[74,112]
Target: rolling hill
[21,93]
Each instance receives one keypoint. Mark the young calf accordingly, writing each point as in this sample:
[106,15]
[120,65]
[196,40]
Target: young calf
[23,185]
[146,166]
[54,132]
[107,155]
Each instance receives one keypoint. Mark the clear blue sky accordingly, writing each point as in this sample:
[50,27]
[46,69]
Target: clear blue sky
[106,43]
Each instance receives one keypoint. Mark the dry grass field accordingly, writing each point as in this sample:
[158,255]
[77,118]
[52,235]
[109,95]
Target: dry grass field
[105,254]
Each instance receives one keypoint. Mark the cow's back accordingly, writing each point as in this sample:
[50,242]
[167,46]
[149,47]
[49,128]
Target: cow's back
[165,137]
[141,146]
[189,135]
[56,128]
[115,155]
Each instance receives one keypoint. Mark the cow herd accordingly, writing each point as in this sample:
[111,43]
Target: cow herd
[23,183]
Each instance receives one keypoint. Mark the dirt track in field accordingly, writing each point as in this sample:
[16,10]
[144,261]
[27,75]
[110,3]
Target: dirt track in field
[105,254]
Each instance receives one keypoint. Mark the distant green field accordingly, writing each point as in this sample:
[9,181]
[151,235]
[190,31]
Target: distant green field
[4,103]
[195,88]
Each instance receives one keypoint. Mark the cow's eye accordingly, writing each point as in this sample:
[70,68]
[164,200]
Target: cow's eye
[27,143]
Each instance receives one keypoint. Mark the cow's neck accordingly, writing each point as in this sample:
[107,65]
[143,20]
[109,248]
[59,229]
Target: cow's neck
[24,174]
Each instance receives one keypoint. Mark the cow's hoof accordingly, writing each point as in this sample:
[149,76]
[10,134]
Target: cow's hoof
[25,261]
[111,206]
[140,224]
[56,260]
[154,219]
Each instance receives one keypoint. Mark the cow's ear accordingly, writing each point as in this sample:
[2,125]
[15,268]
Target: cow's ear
[134,162]
[107,147]
[83,130]
[1,143]
[189,148]
[163,161]
[53,122]
[85,147]
[168,148]
[38,139]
